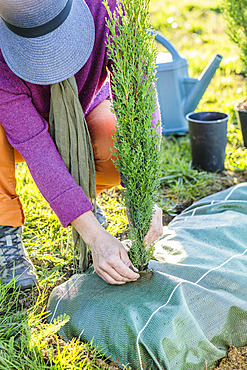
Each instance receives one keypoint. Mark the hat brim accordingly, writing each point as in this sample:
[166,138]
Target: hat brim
[55,56]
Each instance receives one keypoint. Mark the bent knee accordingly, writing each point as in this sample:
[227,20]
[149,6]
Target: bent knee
[101,125]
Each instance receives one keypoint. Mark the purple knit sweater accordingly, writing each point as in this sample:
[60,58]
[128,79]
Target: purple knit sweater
[24,108]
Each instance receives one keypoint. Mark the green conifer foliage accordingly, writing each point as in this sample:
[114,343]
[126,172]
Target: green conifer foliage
[133,52]
[235,14]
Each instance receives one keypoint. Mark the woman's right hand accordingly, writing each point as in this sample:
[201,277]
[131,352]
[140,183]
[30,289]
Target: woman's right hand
[110,258]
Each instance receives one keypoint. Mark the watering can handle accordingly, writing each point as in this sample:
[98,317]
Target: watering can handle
[166,43]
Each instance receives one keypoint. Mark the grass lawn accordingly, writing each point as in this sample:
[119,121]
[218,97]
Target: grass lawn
[196,29]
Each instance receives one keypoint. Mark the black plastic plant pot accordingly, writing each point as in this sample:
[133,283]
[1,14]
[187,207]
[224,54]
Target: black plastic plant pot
[208,138]
[242,122]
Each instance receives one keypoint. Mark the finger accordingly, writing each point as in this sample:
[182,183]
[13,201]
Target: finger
[110,275]
[147,241]
[126,260]
[152,235]
[125,271]
[152,239]
[130,265]
[133,268]
[108,279]
[116,269]
[113,272]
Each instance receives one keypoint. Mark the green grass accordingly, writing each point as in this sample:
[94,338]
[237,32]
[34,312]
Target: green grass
[28,342]
[196,29]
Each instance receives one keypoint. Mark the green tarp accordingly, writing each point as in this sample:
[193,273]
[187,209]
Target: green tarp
[193,307]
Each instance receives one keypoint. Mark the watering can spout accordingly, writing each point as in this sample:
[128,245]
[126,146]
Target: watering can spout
[192,99]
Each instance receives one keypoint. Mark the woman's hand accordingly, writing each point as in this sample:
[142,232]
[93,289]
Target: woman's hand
[156,227]
[110,258]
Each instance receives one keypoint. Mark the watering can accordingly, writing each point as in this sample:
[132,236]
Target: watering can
[179,94]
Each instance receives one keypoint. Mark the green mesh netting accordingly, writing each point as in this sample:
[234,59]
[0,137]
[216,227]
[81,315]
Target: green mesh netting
[189,311]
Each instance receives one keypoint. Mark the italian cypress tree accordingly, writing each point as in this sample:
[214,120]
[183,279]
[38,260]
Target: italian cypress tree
[133,52]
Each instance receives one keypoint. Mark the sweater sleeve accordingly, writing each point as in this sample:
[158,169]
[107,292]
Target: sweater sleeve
[28,132]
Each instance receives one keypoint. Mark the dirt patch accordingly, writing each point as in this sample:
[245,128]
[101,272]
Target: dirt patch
[236,359]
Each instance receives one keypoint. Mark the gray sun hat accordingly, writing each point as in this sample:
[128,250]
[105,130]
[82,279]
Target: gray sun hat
[46,41]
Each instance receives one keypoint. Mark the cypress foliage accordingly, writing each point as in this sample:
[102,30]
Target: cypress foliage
[235,14]
[133,52]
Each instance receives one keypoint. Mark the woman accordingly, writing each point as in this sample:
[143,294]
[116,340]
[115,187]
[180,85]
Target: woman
[43,43]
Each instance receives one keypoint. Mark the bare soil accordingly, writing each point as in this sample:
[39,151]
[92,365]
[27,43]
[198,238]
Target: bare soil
[236,359]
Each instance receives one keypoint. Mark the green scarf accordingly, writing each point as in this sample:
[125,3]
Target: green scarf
[69,131]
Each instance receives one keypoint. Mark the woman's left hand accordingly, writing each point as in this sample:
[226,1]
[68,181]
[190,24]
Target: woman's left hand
[156,227]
